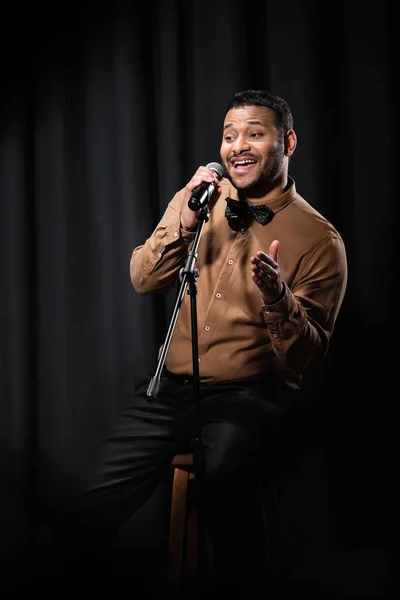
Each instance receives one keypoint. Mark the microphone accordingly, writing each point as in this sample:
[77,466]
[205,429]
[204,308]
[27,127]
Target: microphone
[202,194]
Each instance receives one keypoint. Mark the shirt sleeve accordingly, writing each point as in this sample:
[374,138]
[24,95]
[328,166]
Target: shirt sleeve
[302,322]
[155,265]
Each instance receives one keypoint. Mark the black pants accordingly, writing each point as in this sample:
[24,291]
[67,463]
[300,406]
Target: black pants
[239,422]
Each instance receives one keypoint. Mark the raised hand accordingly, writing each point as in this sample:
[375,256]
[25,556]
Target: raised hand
[265,274]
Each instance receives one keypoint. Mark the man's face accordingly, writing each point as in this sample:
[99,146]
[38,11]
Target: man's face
[251,150]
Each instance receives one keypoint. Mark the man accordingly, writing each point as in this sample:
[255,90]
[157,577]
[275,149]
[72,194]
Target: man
[272,274]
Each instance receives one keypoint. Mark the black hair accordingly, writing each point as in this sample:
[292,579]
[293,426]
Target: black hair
[284,118]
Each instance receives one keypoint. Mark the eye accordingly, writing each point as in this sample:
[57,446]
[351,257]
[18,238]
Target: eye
[228,138]
[255,134]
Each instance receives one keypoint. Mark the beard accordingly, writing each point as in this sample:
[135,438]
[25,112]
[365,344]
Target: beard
[265,178]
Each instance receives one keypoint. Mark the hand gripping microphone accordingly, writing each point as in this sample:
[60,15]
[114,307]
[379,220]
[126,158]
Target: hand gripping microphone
[202,194]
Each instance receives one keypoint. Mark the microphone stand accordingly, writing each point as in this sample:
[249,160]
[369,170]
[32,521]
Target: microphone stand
[188,276]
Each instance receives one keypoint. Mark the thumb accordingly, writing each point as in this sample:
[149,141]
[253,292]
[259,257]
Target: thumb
[273,250]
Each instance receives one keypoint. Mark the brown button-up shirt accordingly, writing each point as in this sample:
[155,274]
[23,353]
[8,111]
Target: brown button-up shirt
[238,335]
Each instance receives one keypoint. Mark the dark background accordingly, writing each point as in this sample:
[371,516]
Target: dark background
[105,113]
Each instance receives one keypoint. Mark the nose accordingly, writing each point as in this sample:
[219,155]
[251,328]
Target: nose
[241,144]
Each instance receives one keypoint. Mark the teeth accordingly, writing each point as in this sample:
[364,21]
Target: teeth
[244,162]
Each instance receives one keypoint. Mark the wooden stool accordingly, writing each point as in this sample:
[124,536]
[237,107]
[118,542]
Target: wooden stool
[182,543]
[182,566]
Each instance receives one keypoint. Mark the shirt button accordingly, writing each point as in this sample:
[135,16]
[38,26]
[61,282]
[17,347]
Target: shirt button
[218,295]
[274,335]
[207,328]
[230,262]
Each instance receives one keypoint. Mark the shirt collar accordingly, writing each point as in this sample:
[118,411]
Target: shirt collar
[275,204]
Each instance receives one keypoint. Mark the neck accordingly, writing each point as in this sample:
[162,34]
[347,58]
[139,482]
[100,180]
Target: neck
[266,192]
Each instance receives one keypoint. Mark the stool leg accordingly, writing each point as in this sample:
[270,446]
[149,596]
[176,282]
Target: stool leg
[177,528]
[191,535]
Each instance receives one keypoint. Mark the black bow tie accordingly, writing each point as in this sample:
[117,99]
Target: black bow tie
[236,211]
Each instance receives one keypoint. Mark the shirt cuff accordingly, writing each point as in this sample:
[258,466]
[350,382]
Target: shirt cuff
[281,309]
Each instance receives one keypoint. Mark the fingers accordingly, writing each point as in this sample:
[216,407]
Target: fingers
[269,259]
[261,270]
[202,175]
[265,273]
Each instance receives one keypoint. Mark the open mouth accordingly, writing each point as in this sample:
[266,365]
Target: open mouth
[243,165]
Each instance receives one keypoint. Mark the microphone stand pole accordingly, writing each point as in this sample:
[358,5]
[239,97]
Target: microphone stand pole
[188,276]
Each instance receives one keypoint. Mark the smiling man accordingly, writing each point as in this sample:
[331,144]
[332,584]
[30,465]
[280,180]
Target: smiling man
[272,276]
[272,269]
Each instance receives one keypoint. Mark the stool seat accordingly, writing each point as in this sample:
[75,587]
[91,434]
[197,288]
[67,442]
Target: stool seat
[183,461]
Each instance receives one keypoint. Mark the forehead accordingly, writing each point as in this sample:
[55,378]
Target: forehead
[245,115]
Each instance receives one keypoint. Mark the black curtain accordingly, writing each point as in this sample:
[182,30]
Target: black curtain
[106,110]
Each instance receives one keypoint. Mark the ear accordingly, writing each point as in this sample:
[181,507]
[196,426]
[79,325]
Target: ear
[290,142]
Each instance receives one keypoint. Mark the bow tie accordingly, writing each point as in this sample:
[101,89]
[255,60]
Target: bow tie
[237,211]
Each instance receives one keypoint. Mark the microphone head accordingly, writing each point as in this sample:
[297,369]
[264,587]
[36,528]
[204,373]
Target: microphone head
[217,168]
